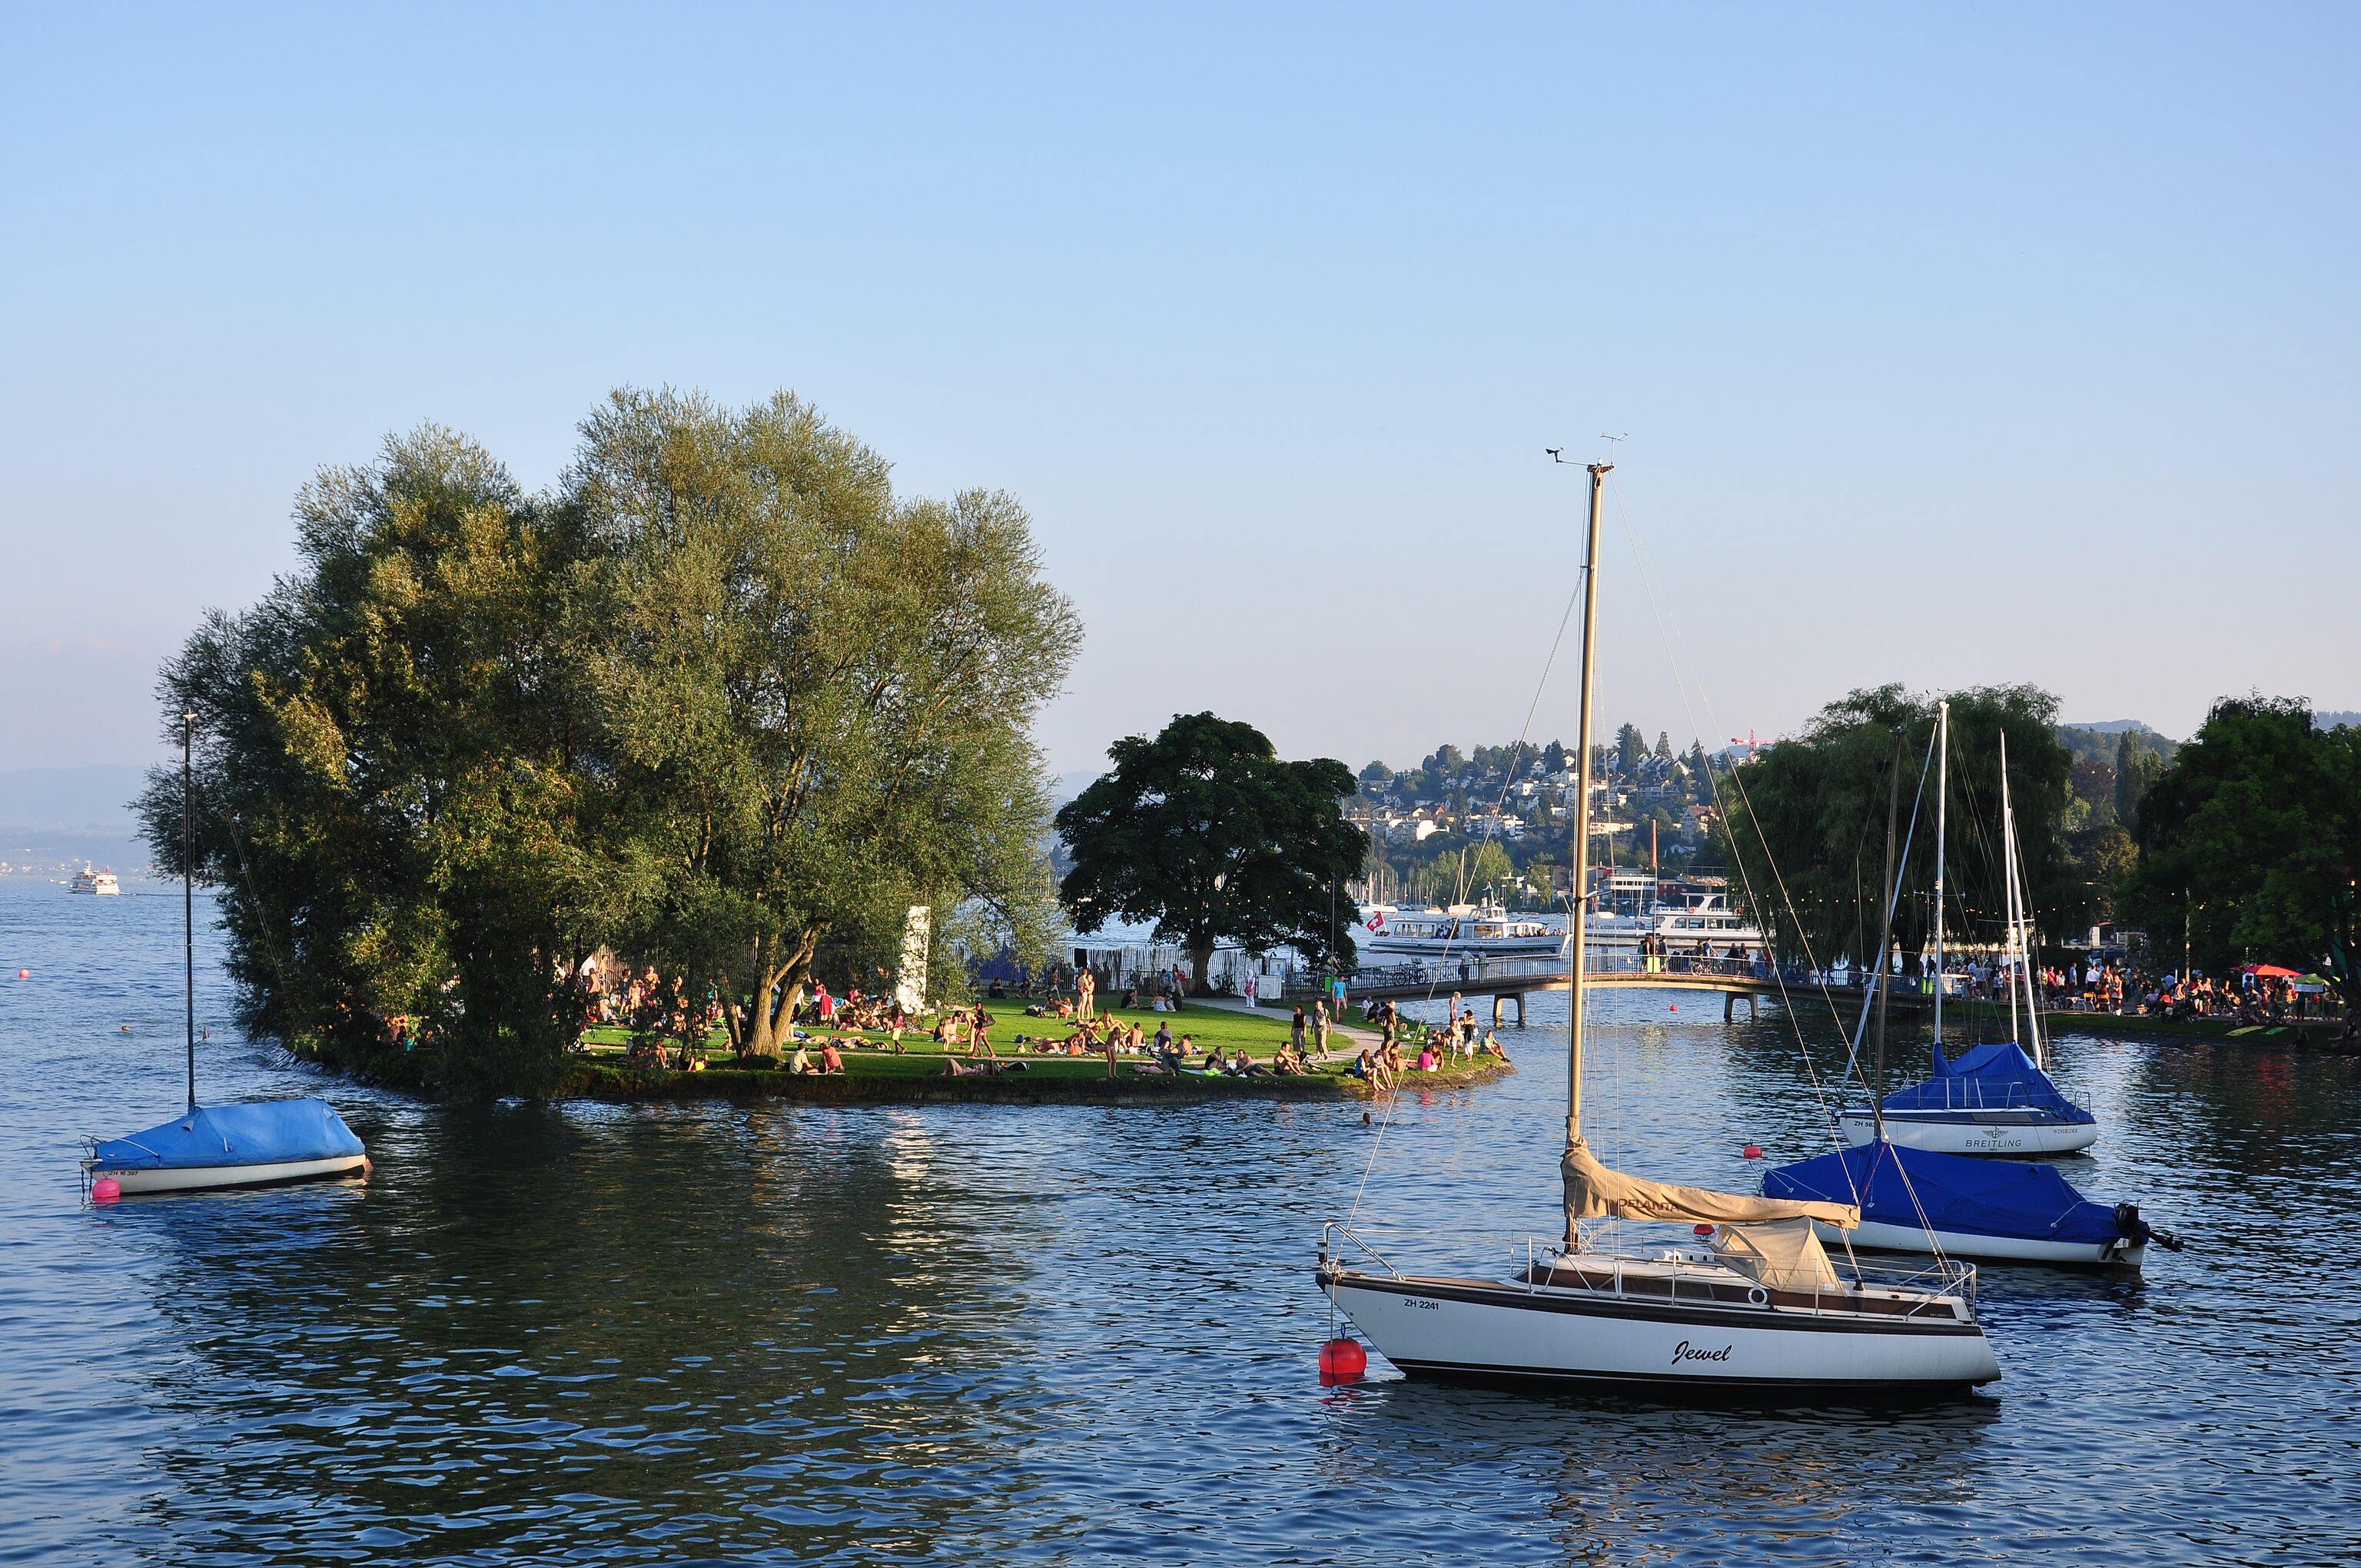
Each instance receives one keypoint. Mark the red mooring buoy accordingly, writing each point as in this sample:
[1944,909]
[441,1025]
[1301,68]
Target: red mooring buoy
[1343,1360]
[105,1189]
[1700,1232]
[1752,1151]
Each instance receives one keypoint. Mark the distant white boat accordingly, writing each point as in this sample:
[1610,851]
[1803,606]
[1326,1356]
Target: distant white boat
[102,884]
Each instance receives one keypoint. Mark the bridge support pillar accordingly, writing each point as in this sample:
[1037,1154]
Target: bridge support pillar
[1496,1000]
[1730,1000]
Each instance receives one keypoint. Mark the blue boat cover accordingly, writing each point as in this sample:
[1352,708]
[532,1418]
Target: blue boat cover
[1994,1077]
[263,1132]
[1955,1193]
[1999,1059]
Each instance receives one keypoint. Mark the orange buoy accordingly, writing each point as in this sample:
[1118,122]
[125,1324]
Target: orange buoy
[1752,1151]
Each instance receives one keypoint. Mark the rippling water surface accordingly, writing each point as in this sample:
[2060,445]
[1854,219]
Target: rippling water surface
[988,1334]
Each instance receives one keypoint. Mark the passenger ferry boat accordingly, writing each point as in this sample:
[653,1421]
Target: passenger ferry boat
[1463,930]
[102,884]
[1697,920]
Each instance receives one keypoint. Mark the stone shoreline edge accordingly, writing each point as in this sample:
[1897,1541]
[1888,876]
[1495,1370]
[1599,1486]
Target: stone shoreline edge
[618,1084]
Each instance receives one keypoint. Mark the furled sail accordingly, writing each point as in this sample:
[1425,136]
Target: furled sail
[1593,1192]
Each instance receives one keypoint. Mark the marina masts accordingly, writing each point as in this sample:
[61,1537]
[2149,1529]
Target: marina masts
[1581,897]
[1886,935]
[1942,792]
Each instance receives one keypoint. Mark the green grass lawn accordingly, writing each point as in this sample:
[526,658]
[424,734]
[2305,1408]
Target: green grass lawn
[1208,1028]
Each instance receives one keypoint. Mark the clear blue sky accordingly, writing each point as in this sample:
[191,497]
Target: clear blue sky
[1954,344]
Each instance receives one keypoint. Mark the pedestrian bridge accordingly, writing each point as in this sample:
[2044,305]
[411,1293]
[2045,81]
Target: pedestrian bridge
[1504,980]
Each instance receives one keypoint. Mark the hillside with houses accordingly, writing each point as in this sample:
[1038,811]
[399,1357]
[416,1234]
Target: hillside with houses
[1499,817]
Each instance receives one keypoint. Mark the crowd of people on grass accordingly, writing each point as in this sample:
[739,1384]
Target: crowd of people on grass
[1430,1048]
[2255,993]
[672,1024]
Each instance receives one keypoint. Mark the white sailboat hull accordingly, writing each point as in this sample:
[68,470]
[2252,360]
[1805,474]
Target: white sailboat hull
[189,1178]
[1474,1331]
[2003,1133]
[1876,1236]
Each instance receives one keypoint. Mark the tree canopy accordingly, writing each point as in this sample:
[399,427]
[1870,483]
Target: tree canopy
[2250,844]
[722,700]
[1207,831]
[1814,808]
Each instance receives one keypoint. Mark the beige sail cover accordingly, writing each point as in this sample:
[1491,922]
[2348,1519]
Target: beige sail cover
[1785,1254]
[1593,1192]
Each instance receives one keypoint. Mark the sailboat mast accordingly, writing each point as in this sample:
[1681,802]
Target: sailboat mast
[2020,922]
[188,907]
[1579,921]
[1942,795]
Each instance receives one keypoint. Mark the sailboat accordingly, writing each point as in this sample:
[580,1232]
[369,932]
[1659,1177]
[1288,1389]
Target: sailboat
[1923,1201]
[1993,1099]
[1749,1303]
[254,1144]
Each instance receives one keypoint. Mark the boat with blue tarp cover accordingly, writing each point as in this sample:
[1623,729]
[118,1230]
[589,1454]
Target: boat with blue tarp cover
[1919,1201]
[250,1144]
[255,1143]
[1993,1099]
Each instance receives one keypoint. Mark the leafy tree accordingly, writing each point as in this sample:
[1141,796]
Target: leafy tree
[2252,842]
[1815,808]
[1489,866]
[395,793]
[1205,830]
[1554,757]
[2137,767]
[817,694]
[1664,745]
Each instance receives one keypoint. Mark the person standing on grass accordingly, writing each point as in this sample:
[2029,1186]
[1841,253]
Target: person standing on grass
[1086,991]
[1295,1030]
[1319,1027]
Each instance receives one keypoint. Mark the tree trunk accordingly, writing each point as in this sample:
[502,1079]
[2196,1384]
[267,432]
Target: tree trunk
[1201,958]
[775,1023]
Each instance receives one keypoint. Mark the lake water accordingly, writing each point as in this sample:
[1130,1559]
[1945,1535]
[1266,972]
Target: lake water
[988,1334]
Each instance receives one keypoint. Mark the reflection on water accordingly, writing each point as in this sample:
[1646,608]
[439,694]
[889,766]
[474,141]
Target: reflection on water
[675,1333]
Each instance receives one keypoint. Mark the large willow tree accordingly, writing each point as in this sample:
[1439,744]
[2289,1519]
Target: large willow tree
[722,701]
[1806,822]
[817,694]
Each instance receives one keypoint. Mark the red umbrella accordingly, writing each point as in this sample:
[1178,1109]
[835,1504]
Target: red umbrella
[2273,971]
